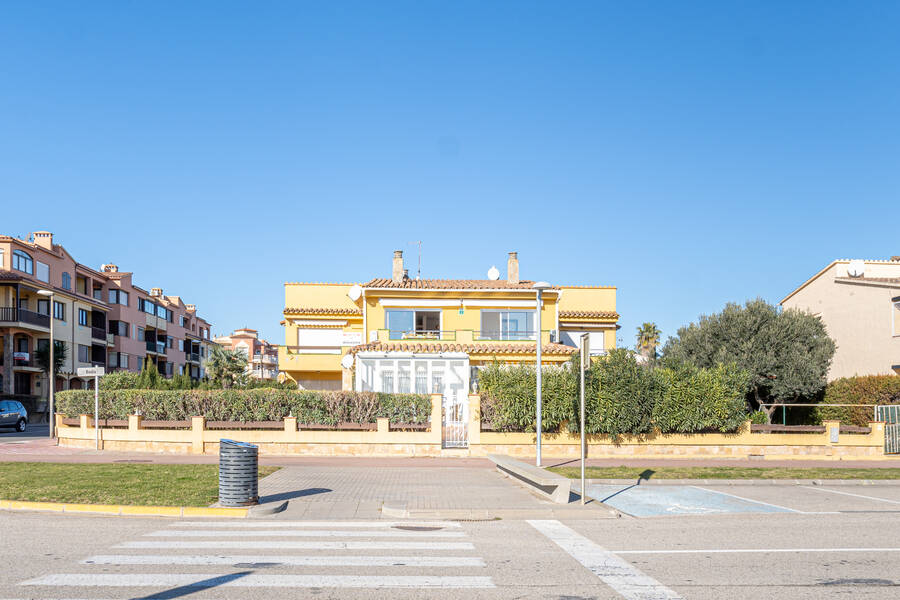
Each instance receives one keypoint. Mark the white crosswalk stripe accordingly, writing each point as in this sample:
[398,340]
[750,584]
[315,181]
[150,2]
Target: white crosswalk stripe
[397,554]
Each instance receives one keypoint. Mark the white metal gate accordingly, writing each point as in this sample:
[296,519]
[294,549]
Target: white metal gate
[455,409]
[890,414]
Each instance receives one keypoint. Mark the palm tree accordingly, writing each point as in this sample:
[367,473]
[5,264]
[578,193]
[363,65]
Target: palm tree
[42,358]
[227,368]
[648,339]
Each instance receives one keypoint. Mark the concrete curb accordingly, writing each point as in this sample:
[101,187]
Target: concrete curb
[125,510]
[576,482]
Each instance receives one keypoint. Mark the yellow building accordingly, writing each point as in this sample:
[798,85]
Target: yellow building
[406,335]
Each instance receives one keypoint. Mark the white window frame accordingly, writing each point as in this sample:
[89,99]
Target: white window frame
[413,334]
[505,336]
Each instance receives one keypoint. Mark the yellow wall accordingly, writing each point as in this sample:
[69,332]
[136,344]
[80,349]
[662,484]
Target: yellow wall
[588,298]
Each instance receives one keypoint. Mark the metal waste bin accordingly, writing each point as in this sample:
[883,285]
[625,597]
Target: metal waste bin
[238,473]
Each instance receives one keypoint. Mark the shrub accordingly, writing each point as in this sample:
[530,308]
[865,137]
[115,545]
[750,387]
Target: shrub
[265,404]
[620,395]
[759,417]
[870,389]
[509,396]
[120,380]
[692,399]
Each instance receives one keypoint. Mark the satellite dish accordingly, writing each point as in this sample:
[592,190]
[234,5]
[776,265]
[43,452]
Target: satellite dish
[493,274]
[354,292]
[347,361]
[856,268]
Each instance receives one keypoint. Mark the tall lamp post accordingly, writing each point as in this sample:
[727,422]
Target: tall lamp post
[52,376]
[540,286]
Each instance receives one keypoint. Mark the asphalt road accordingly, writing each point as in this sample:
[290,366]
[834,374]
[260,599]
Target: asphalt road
[32,432]
[854,553]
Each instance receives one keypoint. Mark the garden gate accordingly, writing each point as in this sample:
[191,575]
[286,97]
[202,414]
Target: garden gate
[890,414]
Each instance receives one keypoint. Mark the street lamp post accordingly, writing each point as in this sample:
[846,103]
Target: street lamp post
[52,375]
[540,286]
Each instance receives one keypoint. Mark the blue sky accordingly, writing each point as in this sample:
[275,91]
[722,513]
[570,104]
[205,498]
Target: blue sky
[689,153]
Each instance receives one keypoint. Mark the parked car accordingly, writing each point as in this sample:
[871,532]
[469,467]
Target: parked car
[13,414]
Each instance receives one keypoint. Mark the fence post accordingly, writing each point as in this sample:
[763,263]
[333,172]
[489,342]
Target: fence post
[474,420]
[290,424]
[876,434]
[198,424]
[437,418]
[134,422]
[83,422]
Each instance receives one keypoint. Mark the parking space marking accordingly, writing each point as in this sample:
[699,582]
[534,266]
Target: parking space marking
[754,550]
[292,560]
[317,524]
[820,489]
[794,510]
[291,545]
[371,533]
[617,573]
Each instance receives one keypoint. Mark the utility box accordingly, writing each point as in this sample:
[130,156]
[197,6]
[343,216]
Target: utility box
[238,473]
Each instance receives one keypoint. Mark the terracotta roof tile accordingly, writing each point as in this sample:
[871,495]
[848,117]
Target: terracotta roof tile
[325,310]
[470,348]
[448,284]
[4,274]
[588,314]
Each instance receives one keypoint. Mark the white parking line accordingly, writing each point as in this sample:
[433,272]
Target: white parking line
[292,560]
[615,572]
[820,489]
[316,524]
[279,545]
[747,499]
[375,533]
[755,550]
[206,580]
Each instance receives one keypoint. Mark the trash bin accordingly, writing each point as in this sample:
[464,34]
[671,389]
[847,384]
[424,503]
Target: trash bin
[238,473]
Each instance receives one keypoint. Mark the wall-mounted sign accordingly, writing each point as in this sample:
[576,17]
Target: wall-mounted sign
[351,338]
[21,356]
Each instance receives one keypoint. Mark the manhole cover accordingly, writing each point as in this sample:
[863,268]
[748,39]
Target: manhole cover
[416,528]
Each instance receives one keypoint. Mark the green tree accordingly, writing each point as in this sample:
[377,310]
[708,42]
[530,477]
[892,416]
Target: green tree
[648,339]
[787,354]
[42,357]
[150,379]
[227,368]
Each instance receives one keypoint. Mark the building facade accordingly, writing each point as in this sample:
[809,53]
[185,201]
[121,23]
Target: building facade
[262,357]
[403,335]
[100,315]
[859,303]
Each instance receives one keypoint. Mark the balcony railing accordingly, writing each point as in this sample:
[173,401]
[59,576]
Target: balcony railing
[98,333]
[505,335]
[11,314]
[158,347]
[192,356]
[421,334]
[265,359]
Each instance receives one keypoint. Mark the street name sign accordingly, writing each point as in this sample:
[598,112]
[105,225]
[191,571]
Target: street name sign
[91,371]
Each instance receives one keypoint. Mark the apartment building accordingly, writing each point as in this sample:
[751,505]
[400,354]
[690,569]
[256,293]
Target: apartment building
[100,315]
[262,357]
[859,303]
[401,335]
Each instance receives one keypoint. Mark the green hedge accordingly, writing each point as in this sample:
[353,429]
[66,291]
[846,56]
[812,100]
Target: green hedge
[264,404]
[871,389]
[622,397]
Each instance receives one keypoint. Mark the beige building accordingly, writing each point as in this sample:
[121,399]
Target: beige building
[859,303]
[262,357]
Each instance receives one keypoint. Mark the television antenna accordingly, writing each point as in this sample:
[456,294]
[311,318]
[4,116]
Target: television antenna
[419,244]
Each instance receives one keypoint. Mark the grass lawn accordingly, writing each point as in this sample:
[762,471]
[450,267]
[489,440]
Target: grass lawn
[727,473]
[156,485]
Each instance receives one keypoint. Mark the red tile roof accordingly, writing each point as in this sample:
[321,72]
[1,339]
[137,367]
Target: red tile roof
[449,284]
[469,348]
[588,314]
[325,310]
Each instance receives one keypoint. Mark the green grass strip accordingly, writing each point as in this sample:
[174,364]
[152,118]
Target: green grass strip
[727,473]
[129,484]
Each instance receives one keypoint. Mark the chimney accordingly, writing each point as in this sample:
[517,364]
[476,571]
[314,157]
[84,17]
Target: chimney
[397,270]
[512,268]
[895,259]
[44,239]
[156,292]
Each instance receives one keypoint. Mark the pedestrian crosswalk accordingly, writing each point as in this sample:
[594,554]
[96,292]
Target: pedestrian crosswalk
[262,554]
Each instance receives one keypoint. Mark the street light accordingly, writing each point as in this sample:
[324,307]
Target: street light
[52,375]
[540,286]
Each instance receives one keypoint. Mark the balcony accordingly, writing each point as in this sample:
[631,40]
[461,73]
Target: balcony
[419,334]
[265,359]
[11,314]
[192,357]
[157,347]
[98,333]
[505,335]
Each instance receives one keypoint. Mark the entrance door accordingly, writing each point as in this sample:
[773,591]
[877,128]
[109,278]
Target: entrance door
[23,383]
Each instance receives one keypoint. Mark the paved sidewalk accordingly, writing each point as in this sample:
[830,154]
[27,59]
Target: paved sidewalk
[375,492]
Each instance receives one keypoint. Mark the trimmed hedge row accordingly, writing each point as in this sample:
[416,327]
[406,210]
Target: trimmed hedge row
[622,397]
[264,404]
[870,389]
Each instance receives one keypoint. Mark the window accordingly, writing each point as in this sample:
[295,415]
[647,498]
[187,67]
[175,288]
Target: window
[98,294]
[123,360]
[84,353]
[140,333]
[387,382]
[118,297]
[83,317]
[170,341]
[2,256]
[183,321]
[403,324]
[43,307]
[119,328]
[146,306]
[507,325]
[22,262]
[66,281]
[202,350]
[81,284]
[22,344]
[43,272]
[169,368]
[43,344]
[437,383]
[162,313]
[59,310]
[421,378]
[181,345]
